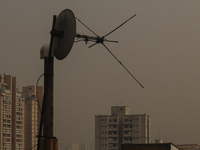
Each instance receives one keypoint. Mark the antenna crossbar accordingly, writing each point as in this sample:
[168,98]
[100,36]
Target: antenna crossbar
[97,39]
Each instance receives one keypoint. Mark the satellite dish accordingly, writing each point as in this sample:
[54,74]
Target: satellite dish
[66,31]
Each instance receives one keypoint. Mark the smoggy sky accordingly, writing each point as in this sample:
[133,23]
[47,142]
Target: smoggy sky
[160,46]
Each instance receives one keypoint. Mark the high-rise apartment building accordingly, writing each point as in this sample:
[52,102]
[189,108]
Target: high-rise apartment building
[33,100]
[5,115]
[11,114]
[111,131]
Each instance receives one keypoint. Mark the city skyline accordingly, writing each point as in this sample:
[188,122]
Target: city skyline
[159,46]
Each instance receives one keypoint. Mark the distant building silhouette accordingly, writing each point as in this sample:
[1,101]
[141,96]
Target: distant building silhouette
[111,131]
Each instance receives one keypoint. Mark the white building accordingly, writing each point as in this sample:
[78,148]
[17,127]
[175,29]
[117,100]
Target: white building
[111,131]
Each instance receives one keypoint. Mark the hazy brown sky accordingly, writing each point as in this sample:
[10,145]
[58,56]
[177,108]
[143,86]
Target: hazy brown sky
[160,46]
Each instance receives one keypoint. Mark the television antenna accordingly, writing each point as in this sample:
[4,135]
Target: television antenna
[101,40]
[63,34]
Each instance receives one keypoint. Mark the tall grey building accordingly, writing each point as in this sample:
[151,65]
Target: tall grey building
[33,100]
[111,131]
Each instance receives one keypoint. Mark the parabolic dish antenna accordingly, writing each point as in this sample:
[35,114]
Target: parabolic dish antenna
[66,28]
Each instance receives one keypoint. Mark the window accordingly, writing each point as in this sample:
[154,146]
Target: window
[112,126]
[125,120]
[127,126]
[18,113]
[112,132]
[128,139]
[8,140]
[19,127]
[18,140]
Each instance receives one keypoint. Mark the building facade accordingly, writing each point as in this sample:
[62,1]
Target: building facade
[11,114]
[111,131]
[33,100]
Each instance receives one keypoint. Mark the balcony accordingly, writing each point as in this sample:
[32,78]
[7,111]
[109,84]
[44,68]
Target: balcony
[127,133]
[4,90]
[127,140]
[112,127]
[112,140]
[112,146]
[112,134]
[127,127]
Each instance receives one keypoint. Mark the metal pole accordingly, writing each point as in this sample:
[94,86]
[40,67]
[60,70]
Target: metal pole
[48,82]
[47,107]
